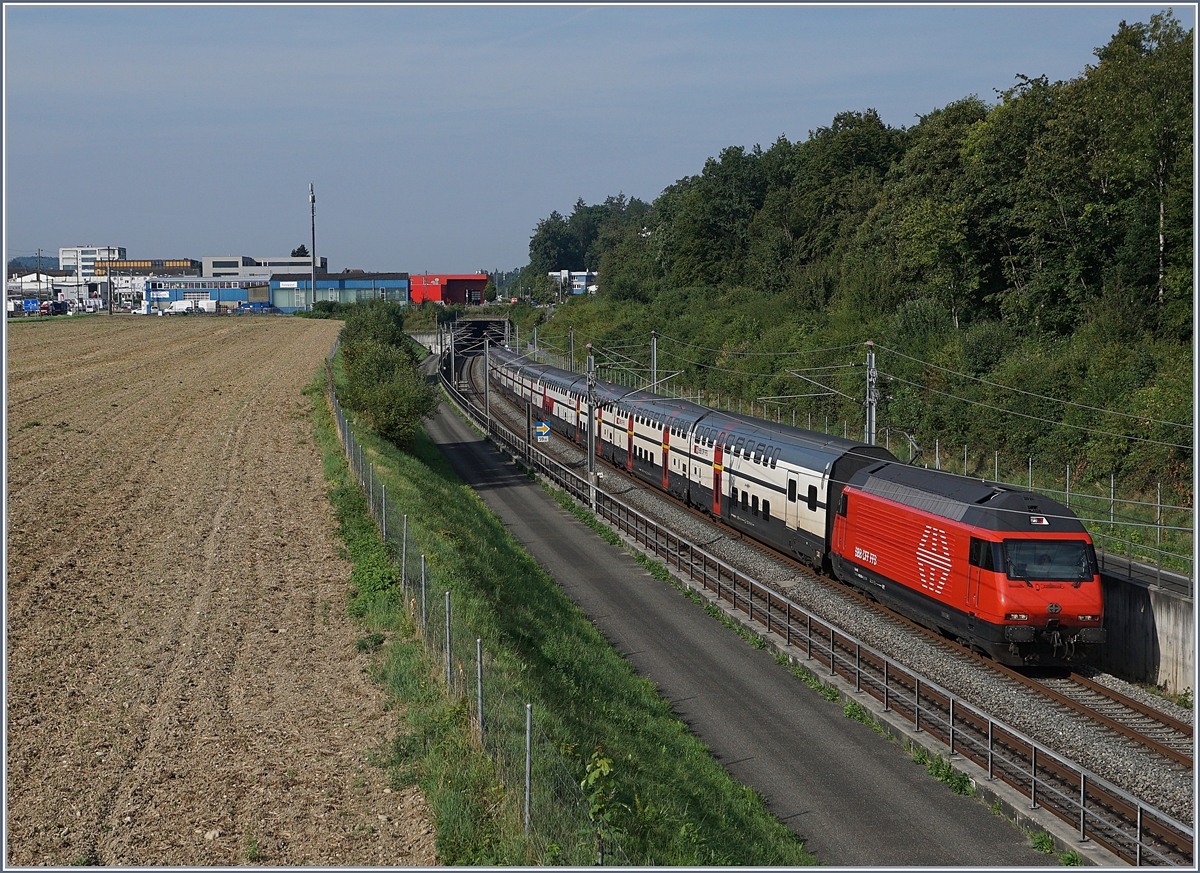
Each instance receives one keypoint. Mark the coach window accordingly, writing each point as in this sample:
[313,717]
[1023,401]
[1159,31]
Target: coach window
[754,505]
[733,495]
[745,502]
[767,510]
[812,498]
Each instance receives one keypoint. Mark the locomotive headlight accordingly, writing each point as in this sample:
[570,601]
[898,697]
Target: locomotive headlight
[1089,618]
[1017,616]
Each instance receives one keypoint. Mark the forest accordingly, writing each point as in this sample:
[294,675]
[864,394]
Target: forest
[1023,267]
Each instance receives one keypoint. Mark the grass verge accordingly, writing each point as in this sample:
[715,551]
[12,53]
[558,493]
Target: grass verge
[665,797]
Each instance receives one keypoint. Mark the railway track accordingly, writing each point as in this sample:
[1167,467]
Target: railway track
[1108,815]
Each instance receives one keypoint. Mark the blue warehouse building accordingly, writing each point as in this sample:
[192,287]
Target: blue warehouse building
[292,291]
[226,294]
[286,292]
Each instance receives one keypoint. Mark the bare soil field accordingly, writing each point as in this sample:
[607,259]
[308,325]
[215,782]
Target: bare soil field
[182,682]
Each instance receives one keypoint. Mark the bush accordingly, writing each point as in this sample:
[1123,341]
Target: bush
[384,385]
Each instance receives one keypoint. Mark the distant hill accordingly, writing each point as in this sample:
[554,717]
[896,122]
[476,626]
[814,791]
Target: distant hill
[30,262]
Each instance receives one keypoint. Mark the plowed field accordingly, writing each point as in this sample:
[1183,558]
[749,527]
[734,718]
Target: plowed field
[182,682]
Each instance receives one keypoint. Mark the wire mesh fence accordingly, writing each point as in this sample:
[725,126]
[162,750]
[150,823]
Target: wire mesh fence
[542,786]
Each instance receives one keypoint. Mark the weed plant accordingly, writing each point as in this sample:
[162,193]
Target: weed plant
[665,797]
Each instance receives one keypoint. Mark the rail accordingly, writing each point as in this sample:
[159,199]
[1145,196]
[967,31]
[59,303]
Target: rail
[1130,829]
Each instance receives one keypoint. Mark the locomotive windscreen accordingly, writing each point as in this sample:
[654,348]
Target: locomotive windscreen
[1049,560]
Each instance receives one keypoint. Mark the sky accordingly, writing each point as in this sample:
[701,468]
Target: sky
[436,136]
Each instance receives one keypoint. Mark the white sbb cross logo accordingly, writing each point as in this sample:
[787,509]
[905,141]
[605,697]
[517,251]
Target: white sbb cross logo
[933,559]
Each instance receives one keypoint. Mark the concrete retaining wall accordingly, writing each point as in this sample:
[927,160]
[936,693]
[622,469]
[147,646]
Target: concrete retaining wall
[1151,634]
[429,340]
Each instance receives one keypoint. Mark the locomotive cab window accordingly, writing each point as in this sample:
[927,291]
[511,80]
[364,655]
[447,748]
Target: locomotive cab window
[1049,560]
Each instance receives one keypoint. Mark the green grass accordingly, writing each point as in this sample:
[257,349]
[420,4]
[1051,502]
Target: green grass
[671,803]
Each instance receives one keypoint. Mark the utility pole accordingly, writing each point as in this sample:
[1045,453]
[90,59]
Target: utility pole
[487,391]
[653,360]
[453,377]
[872,393]
[591,386]
[572,350]
[312,205]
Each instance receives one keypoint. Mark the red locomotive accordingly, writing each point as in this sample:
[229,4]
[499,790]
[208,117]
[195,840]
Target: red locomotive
[1008,572]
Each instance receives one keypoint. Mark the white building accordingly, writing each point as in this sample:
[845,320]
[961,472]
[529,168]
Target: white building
[81,260]
[243,267]
[575,282]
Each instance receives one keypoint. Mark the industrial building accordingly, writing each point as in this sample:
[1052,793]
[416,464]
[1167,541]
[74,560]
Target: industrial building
[156,267]
[465,289]
[292,291]
[244,267]
[225,294]
[81,260]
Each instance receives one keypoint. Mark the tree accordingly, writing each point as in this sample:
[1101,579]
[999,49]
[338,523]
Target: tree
[553,246]
[300,252]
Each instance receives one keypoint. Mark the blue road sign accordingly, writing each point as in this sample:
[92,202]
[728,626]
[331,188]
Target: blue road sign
[542,430]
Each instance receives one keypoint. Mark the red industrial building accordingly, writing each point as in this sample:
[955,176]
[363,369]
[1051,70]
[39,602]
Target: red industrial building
[443,288]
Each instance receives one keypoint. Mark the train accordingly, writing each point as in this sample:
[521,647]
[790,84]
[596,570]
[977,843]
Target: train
[1009,573]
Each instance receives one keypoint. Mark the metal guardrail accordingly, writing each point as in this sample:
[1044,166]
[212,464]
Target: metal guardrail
[1134,831]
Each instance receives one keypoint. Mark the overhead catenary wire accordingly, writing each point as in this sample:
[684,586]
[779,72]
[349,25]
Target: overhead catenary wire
[759,354]
[715,368]
[1031,393]
[1122,436]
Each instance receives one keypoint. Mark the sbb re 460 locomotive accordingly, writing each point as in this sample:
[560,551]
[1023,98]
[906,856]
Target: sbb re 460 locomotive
[1008,572]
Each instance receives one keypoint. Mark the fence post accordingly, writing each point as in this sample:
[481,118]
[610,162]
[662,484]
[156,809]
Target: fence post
[404,557]
[951,755]
[916,706]
[1083,807]
[423,627]
[479,684]
[1158,519]
[1033,804]
[449,675]
[384,515]
[528,760]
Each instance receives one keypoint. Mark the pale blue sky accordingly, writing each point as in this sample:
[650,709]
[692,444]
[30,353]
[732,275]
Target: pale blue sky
[438,136]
